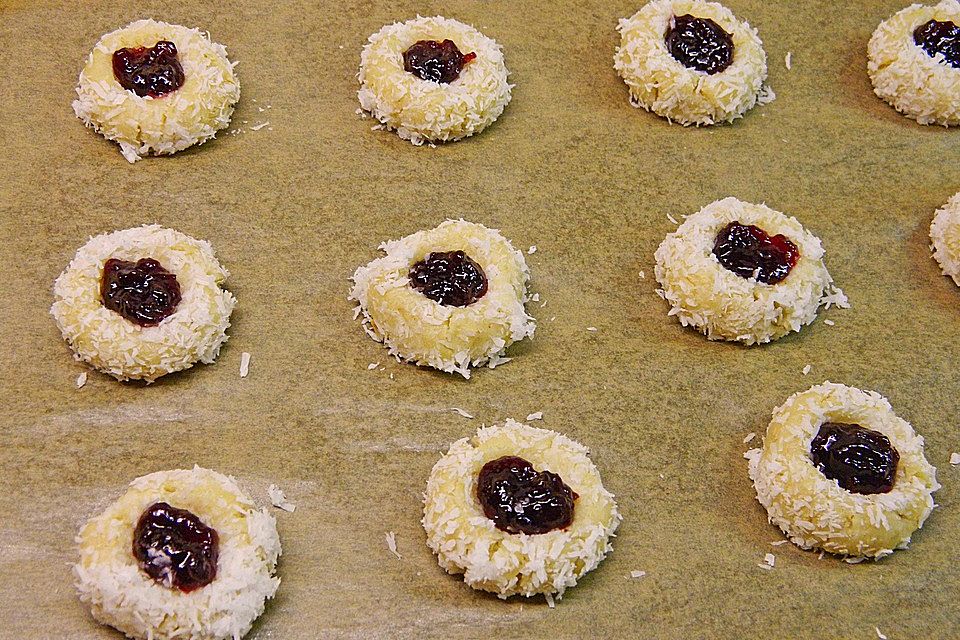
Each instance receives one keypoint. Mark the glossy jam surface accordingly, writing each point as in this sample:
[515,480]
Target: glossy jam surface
[860,460]
[451,278]
[700,44]
[153,71]
[435,61]
[748,250]
[520,499]
[175,548]
[143,292]
[940,37]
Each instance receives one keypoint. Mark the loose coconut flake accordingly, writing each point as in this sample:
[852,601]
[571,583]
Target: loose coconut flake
[391,538]
[279,499]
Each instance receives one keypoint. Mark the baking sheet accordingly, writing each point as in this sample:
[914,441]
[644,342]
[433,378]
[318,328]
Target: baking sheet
[570,167]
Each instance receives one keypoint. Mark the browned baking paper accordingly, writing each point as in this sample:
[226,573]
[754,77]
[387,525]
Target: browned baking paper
[294,207]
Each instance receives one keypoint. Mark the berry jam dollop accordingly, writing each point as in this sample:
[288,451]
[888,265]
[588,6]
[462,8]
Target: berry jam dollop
[149,71]
[451,278]
[699,44]
[520,499]
[436,61]
[750,251]
[143,292]
[175,548]
[859,459]
[939,37]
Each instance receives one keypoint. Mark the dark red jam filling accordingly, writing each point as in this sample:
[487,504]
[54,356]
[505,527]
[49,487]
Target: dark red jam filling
[860,460]
[450,278]
[175,548]
[520,499]
[749,251]
[700,44]
[153,71]
[939,37]
[435,61]
[143,292]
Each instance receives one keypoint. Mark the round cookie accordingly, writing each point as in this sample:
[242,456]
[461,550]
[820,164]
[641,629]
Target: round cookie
[449,298]
[945,238]
[166,311]
[744,288]
[815,511]
[915,66]
[692,62]
[181,92]
[493,559]
[160,518]
[433,79]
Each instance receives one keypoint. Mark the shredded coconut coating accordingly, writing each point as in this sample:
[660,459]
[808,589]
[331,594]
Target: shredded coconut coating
[144,125]
[660,83]
[468,542]
[945,238]
[448,338]
[814,511]
[114,345]
[724,306]
[920,87]
[420,110]
[124,597]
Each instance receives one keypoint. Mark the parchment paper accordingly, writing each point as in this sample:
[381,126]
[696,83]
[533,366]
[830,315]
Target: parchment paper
[293,208]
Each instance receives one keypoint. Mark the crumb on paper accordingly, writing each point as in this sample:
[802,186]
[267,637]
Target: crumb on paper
[532,250]
[750,436]
[672,219]
[535,297]
[820,557]
[806,369]
[550,601]
[257,127]
[880,633]
[543,304]
[82,380]
[954,457]
[372,366]
[788,60]
[244,364]
[643,275]
[661,476]
[591,328]
[829,323]
[279,500]
[462,412]
[777,543]
[392,544]
[637,574]
[536,415]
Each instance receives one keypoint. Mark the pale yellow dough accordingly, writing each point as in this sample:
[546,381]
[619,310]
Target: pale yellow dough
[145,125]
[725,306]
[660,83]
[448,338]
[945,238]
[814,511]
[468,542]
[424,111]
[111,343]
[903,74]
[121,595]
